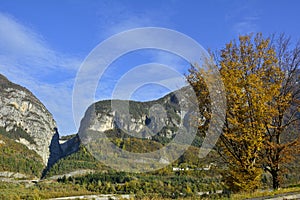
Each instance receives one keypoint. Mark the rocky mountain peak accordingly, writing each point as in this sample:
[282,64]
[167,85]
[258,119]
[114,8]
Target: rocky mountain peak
[20,109]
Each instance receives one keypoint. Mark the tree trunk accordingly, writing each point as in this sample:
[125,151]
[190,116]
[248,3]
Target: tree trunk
[275,179]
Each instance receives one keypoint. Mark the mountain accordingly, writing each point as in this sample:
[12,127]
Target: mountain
[25,120]
[148,126]
[157,119]
[30,130]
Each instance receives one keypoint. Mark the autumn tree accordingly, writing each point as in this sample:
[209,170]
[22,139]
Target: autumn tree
[247,68]
[282,136]
[252,78]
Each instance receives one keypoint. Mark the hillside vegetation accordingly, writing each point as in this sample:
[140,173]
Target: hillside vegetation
[16,157]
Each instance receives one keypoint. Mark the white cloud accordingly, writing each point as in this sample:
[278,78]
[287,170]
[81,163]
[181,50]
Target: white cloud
[245,27]
[20,44]
[117,16]
[244,16]
[18,40]
[26,59]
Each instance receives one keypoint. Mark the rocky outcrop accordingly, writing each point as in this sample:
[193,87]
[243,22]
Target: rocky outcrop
[161,117]
[15,175]
[19,108]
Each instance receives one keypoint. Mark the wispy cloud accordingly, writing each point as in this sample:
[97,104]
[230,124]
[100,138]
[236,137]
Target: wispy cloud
[245,17]
[246,26]
[118,16]
[26,59]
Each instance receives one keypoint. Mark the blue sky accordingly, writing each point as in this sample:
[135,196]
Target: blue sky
[43,43]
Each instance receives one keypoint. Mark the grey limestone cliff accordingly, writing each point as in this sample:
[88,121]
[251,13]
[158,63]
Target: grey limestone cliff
[161,117]
[19,108]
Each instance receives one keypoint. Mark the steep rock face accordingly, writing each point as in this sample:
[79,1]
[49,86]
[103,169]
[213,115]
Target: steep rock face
[19,108]
[161,117]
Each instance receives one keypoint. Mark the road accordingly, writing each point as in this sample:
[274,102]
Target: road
[96,197]
[293,196]
[286,196]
